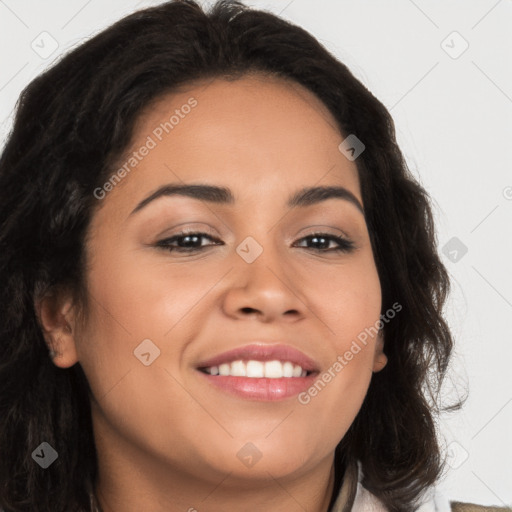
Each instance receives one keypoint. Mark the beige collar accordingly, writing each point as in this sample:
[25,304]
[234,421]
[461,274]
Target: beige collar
[353,497]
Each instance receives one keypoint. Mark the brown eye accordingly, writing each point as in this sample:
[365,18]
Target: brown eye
[323,239]
[186,242]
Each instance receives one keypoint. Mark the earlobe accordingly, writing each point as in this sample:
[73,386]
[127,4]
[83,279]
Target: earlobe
[380,359]
[55,315]
[380,362]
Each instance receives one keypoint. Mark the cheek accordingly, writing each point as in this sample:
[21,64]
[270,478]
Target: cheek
[348,301]
[147,293]
[128,304]
[131,300]
[347,298]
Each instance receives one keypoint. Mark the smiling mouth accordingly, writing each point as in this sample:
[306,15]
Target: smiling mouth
[257,369]
[260,371]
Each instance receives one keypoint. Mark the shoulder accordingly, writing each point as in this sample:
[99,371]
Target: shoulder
[435,502]
[458,506]
[361,500]
[439,503]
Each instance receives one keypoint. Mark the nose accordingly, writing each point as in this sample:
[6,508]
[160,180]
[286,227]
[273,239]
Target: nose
[264,289]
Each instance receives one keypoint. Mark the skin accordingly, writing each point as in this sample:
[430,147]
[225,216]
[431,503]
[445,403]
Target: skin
[166,440]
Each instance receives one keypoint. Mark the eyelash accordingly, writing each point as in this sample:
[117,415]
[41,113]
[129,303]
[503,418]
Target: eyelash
[345,245]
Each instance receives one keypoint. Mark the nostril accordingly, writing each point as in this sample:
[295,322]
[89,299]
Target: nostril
[249,310]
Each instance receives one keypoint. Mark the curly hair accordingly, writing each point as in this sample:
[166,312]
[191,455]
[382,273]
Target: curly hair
[73,123]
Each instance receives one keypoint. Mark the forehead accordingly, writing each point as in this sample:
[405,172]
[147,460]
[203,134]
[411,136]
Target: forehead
[260,135]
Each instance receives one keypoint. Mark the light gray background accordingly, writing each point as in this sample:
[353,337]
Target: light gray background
[453,115]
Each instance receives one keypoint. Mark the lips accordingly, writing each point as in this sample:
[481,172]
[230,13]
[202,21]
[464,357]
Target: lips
[252,372]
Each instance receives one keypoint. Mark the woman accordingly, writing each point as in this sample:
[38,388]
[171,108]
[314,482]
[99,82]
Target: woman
[207,222]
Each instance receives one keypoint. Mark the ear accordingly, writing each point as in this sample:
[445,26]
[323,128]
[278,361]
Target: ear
[380,359]
[56,316]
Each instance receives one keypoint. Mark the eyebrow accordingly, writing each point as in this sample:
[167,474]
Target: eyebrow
[306,196]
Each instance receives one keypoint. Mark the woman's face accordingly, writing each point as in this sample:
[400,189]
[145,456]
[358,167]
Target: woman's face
[159,314]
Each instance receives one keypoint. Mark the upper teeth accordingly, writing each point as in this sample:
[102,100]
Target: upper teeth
[258,369]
